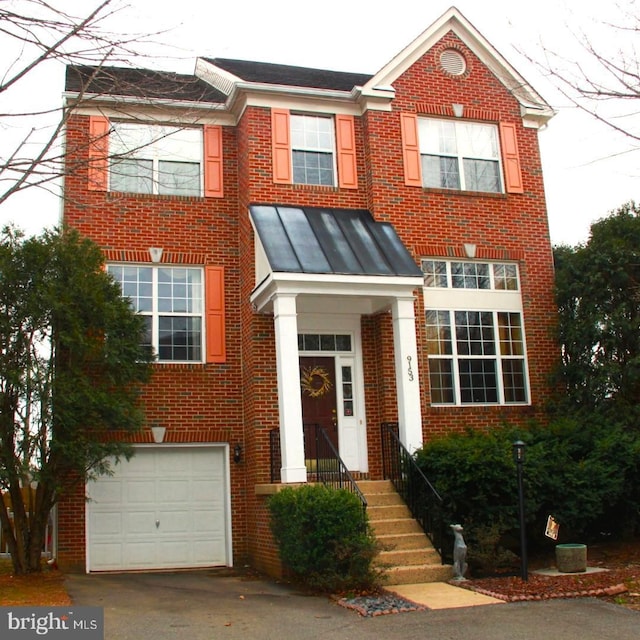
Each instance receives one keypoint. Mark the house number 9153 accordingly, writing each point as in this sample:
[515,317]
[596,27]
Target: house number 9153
[409,369]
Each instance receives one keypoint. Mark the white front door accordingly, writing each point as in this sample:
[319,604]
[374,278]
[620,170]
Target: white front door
[165,508]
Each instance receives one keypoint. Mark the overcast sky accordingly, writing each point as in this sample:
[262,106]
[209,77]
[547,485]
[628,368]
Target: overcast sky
[588,170]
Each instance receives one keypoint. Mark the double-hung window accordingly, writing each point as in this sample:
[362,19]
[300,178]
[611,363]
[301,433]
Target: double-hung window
[171,300]
[475,333]
[134,157]
[457,154]
[310,149]
[313,150]
[155,159]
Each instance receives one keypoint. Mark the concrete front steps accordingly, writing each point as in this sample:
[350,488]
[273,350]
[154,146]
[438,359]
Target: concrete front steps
[408,556]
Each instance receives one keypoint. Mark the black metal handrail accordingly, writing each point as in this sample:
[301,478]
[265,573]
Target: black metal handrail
[424,502]
[325,465]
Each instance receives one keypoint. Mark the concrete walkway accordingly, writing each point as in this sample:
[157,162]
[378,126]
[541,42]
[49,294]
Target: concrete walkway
[441,595]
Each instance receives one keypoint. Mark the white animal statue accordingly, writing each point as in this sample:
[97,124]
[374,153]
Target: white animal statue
[459,553]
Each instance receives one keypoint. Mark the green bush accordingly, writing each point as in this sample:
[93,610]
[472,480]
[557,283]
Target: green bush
[585,474]
[324,537]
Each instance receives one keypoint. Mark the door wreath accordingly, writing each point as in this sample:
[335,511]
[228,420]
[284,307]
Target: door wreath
[315,381]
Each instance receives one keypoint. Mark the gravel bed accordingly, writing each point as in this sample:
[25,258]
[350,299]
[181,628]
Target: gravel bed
[379,604]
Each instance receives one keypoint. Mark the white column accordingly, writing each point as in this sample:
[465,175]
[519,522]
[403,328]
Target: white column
[407,380]
[289,400]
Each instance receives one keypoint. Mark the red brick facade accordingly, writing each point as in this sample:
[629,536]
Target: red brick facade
[236,402]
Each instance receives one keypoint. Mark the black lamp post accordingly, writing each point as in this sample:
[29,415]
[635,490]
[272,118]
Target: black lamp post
[518,458]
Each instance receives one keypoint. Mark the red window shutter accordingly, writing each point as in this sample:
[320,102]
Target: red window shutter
[281,146]
[411,150]
[214,295]
[98,153]
[511,158]
[213,161]
[346,143]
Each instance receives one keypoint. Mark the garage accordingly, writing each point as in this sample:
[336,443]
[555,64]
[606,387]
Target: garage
[166,508]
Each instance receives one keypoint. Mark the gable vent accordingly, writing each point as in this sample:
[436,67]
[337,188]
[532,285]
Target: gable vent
[453,62]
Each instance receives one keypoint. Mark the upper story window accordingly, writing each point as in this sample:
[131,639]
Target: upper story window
[462,155]
[171,299]
[155,159]
[459,154]
[136,157]
[313,149]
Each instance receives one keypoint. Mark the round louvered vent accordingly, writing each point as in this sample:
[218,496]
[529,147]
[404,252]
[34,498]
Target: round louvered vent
[453,62]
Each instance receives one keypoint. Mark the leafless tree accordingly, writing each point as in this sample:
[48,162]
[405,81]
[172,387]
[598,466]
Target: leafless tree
[41,37]
[597,69]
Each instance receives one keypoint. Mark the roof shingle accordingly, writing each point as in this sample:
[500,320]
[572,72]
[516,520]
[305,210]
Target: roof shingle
[288,75]
[140,83]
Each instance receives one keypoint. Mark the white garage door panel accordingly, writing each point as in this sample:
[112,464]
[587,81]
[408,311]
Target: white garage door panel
[163,509]
[137,491]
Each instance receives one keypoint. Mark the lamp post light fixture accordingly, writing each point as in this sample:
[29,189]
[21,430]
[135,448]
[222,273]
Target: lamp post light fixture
[237,453]
[518,458]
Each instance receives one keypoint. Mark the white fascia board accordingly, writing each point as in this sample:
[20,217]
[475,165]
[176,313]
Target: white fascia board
[378,98]
[218,78]
[251,94]
[155,112]
[334,285]
[78,100]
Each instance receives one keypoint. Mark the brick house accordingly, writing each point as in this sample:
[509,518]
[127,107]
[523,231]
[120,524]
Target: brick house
[308,246]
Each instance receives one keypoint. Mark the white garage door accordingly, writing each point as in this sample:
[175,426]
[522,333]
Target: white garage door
[166,508]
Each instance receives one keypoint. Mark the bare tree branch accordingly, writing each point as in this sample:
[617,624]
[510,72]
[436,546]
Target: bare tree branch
[43,35]
[604,81]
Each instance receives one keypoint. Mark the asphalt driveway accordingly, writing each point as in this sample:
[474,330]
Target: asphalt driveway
[209,605]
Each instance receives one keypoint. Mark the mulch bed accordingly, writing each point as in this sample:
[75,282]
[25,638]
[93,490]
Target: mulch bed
[619,582]
[542,587]
[41,589]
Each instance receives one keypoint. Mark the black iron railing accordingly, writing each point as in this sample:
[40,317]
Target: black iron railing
[275,455]
[322,460]
[419,494]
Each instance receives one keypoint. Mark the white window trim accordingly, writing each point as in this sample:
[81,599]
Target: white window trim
[152,149]
[155,313]
[311,149]
[482,300]
[458,124]
[454,357]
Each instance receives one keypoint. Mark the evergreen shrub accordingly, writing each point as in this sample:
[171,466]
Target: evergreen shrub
[324,537]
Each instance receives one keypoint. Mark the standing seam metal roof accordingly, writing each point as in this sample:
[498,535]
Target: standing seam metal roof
[330,241]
